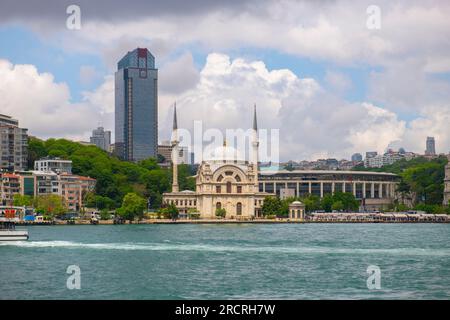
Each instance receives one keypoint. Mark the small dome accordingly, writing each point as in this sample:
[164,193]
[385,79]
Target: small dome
[296,203]
[224,153]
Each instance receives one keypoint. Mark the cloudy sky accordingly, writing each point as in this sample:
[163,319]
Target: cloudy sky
[316,71]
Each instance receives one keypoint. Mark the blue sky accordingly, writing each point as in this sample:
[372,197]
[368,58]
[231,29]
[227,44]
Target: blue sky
[26,47]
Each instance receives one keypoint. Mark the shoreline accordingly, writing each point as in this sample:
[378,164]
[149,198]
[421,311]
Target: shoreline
[218,221]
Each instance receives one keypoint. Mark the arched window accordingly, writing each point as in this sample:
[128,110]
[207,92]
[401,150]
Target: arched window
[228,187]
[238,179]
[218,205]
[239,209]
[220,178]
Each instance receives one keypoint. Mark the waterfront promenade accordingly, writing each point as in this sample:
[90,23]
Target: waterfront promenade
[314,218]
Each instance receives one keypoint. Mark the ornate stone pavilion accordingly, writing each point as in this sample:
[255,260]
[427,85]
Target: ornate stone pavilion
[224,180]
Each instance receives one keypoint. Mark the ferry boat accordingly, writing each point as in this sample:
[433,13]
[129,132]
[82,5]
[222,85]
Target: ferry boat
[8,231]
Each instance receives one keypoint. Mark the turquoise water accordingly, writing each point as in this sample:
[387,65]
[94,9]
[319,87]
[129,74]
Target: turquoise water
[245,261]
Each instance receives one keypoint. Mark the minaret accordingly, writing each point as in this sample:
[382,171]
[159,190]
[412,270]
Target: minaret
[255,144]
[175,150]
[446,200]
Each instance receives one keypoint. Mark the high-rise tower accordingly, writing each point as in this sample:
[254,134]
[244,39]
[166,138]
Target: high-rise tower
[136,106]
[430,147]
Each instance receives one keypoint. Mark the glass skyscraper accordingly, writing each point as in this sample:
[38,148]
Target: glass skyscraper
[430,147]
[136,106]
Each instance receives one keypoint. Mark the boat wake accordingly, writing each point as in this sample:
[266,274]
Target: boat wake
[168,246]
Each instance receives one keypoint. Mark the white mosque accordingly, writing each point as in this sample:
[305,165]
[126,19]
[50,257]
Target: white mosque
[224,180]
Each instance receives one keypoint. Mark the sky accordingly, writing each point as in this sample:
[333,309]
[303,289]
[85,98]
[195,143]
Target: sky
[334,77]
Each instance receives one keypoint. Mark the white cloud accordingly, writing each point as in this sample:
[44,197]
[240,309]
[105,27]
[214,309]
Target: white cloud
[333,31]
[434,121]
[102,98]
[42,105]
[312,122]
[407,87]
[337,81]
[88,74]
[179,75]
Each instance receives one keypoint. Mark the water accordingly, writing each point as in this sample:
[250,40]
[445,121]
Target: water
[247,261]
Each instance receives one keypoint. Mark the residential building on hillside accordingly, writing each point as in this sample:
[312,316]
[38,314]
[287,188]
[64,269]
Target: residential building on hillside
[71,188]
[56,165]
[9,186]
[13,144]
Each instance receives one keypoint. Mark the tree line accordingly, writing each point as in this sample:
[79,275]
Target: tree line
[339,201]
[115,178]
[422,183]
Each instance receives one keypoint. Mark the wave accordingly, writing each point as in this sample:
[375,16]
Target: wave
[167,246]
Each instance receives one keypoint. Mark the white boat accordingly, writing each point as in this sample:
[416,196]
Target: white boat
[8,231]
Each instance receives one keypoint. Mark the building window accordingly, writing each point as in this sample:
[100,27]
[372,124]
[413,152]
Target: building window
[218,205]
[228,187]
[220,178]
[218,189]
[239,208]
[238,179]
[239,189]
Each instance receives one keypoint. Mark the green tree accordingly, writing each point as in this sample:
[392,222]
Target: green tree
[161,158]
[337,206]
[327,202]
[99,202]
[312,203]
[133,207]
[271,206]
[221,212]
[149,164]
[115,178]
[36,150]
[51,205]
[420,176]
[104,214]
[185,179]
[22,200]
[348,200]
[172,211]
[400,207]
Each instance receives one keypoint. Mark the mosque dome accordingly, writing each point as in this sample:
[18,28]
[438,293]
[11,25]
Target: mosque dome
[224,153]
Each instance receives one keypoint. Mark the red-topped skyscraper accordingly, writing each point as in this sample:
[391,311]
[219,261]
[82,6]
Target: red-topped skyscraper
[136,106]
